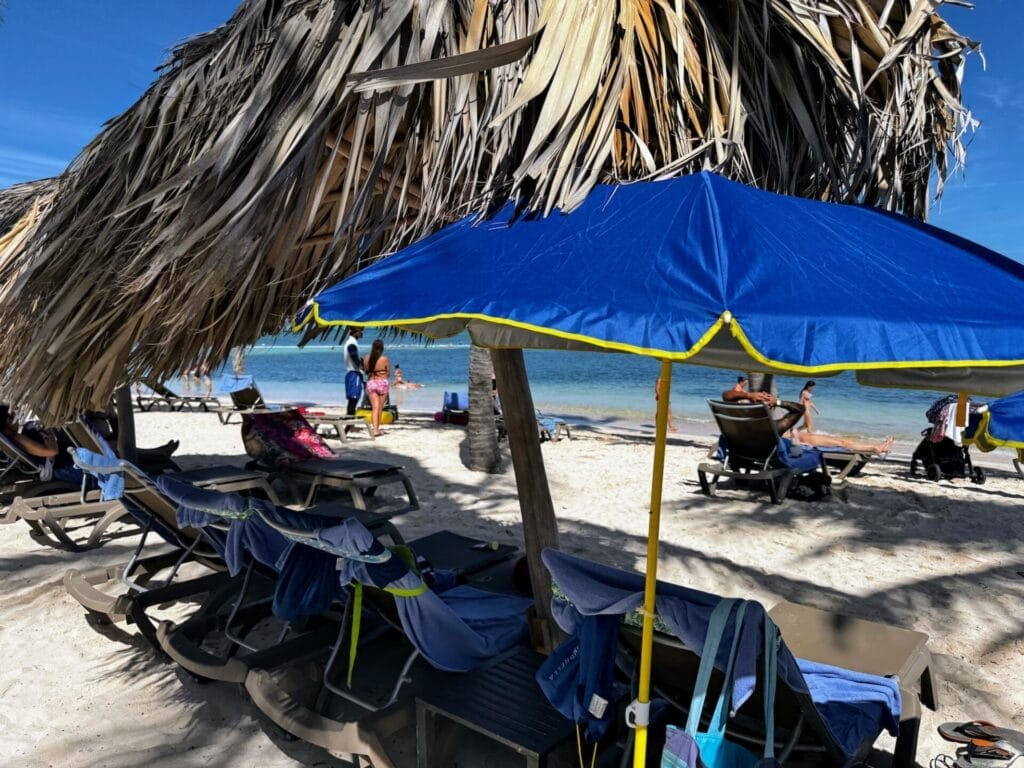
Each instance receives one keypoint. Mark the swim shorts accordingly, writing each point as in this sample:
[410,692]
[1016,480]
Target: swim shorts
[377,386]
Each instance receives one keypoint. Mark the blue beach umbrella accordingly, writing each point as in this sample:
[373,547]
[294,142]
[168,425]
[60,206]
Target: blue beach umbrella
[703,270]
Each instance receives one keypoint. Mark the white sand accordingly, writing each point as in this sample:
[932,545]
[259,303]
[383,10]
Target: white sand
[944,558]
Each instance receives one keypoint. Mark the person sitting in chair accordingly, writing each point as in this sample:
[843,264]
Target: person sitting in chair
[41,447]
[794,411]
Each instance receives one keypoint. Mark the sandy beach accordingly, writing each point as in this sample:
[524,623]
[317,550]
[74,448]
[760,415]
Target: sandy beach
[943,558]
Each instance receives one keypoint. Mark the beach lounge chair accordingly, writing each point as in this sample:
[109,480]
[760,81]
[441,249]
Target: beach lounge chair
[156,514]
[159,395]
[267,592]
[246,398]
[48,506]
[838,682]
[453,628]
[285,445]
[337,422]
[751,449]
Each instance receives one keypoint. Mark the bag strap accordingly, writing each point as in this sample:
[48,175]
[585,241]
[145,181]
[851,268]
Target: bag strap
[712,639]
[722,708]
[771,661]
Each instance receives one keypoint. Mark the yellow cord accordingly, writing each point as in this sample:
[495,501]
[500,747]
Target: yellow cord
[579,750]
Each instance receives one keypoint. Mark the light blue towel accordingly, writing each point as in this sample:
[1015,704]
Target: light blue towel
[105,468]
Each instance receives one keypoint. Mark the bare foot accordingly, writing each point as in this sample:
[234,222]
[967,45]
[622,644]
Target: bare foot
[887,445]
[379,433]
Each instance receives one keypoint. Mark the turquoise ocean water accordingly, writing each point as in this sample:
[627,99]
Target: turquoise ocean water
[600,388]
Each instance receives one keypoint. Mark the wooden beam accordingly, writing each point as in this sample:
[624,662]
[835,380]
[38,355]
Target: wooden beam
[540,529]
[126,443]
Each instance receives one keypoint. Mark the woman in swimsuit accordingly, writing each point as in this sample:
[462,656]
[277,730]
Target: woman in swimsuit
[378,368]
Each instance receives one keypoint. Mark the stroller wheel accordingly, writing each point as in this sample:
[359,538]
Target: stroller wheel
[933,472]
[978,476]
[913,466]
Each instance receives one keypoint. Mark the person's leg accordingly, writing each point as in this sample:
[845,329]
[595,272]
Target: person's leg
[377,404]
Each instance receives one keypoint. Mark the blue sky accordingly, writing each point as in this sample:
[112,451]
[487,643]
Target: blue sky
[66,66]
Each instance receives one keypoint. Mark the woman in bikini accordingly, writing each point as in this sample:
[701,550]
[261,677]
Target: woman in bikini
[378,368]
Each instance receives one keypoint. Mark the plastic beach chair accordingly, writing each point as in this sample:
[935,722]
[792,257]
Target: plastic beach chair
[838,687]
[291,451]
[156,514]
[159,395]
[751,449]
[48,506]
[453,628]
[266,591]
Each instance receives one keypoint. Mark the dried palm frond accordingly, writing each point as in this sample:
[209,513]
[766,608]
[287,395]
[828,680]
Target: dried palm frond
[306,138]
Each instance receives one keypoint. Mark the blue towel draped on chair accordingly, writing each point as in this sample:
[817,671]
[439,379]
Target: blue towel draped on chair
[306,586]
[456,630]
[852,704]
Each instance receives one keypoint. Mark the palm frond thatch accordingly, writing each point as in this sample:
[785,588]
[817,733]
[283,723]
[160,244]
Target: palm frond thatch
[305,138]
[16,200]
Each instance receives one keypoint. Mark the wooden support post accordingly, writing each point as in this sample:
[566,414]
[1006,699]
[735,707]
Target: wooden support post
[540,529]
[126,444]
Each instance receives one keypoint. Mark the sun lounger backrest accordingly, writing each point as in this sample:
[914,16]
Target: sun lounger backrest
[248,398]
[748,429]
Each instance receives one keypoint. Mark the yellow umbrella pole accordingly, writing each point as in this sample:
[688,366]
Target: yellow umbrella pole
[647,638]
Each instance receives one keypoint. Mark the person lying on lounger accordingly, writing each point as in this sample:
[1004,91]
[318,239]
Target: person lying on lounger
[817,440]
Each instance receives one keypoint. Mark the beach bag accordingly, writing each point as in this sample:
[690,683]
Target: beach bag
[691,747]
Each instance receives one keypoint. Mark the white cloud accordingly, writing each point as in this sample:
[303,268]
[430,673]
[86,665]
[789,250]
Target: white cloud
[17,164]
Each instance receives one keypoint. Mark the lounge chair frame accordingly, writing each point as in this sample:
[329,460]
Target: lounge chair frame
[183,643]
[48,505]
[312,725]
[753,440]
[352,475]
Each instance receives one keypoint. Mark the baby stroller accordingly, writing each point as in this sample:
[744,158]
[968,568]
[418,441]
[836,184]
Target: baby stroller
[940,452]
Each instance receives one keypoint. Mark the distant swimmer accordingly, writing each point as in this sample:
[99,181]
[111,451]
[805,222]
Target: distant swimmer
[401,382]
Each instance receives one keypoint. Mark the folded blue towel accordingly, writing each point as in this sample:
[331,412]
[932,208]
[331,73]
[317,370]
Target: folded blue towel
[797,457]
[105,468]
[852,703]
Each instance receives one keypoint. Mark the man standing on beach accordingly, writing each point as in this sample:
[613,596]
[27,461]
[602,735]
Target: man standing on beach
[353,369]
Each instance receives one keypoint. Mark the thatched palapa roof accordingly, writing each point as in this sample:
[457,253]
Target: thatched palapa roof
[305,138]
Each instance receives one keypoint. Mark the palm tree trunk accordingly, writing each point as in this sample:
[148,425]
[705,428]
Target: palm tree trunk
[484,455]
[238,361]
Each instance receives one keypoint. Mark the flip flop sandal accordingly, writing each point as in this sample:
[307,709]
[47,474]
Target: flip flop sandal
[980,729]
[997,750]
